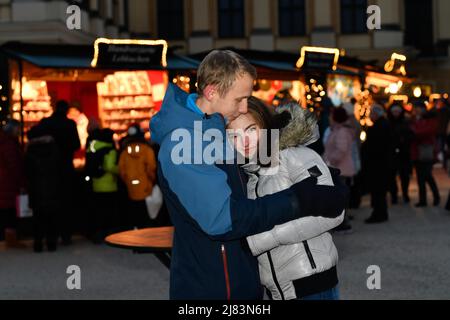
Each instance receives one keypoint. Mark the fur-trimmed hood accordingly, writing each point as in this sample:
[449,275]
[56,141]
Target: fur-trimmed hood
[302,129]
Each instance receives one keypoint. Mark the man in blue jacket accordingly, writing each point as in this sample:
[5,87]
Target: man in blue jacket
[207,200]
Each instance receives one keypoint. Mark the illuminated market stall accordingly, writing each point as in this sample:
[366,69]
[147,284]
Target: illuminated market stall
[114,83]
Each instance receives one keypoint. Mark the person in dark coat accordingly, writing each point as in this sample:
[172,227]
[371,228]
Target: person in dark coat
[424,152]
[376,153]
[65,135]
[401,160]
[45,187]
[12,180]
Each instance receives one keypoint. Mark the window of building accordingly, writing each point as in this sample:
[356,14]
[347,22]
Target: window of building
[231,18]
[170,19]
[419,25]
[291,18]
[353,16]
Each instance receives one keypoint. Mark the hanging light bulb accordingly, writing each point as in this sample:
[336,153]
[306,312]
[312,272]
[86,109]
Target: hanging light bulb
[363,136]
[417,92]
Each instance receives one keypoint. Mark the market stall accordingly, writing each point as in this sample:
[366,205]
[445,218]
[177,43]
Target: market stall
[113,83]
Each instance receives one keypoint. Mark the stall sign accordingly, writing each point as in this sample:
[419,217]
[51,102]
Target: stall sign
[318,58]
[129,54]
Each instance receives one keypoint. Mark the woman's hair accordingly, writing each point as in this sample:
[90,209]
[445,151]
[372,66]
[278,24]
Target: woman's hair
[340,115]
[263,117]
[106,135]
[260,112]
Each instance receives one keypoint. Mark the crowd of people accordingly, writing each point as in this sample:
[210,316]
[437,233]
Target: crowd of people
[106,196]
[397,144]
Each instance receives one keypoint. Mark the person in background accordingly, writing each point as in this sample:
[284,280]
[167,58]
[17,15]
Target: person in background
[12,180]
[401,146]
[65,134]
[338,152]
[44,171]
[102,168]
[82,122]
[447,206]
[137,168]
[324,112]
[424,152]
[443,112]
[356,185]
[376,154]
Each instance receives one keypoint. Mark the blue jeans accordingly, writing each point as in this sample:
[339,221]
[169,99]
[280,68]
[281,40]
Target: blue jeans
[332,294]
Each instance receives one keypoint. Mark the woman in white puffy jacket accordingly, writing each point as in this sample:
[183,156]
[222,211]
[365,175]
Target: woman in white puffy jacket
[297,260]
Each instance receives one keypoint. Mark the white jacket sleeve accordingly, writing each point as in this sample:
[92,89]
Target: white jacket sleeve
[298,161]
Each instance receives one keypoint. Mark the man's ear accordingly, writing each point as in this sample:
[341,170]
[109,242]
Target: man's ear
[209,92]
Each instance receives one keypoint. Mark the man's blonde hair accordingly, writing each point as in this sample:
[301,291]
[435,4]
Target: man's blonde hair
[221,68]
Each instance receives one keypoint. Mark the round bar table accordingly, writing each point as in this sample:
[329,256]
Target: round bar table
[157,241]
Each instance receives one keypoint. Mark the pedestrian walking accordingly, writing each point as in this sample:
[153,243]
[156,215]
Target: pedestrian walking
[401,157]
[376,153]
[65,135]
[137,168]
[339,152]
[424,151]
[44,171]
[12,177]
[102,168]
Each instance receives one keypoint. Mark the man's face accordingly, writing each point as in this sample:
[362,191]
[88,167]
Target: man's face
[234,102]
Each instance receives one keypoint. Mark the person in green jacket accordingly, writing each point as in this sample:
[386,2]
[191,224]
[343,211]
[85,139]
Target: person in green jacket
[104,185]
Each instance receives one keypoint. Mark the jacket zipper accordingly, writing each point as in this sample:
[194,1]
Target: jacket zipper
[225,268]
[274,275]
[310,256]
[256,186]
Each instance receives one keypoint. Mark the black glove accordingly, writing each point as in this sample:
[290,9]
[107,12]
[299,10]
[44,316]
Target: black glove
[321,200]
[335,175]
[339,182]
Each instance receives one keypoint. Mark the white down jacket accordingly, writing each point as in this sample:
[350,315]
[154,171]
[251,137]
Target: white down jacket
[303,247]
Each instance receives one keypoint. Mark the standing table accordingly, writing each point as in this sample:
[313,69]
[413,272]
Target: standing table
[157,241]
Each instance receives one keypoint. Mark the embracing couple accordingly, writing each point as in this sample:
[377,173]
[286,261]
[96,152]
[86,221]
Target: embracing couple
[243,227]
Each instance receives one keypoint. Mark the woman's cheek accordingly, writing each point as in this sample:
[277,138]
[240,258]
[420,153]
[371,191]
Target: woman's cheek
[239,145]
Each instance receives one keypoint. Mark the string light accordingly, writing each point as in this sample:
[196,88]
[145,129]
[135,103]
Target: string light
[183,82]
[390,64]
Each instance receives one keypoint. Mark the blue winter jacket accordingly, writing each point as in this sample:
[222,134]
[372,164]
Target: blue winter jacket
[209,208]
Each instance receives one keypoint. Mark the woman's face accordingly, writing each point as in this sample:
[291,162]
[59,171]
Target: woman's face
[245,133]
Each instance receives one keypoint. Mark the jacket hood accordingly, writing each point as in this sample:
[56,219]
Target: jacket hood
[301,130]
